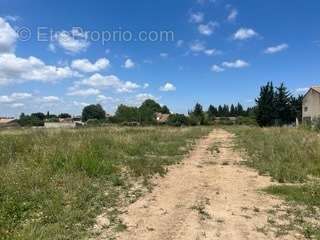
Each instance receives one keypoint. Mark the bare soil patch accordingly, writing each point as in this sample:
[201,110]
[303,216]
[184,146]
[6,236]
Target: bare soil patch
[209,196]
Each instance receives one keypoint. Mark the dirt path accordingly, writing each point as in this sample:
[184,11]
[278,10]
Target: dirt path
[206,197]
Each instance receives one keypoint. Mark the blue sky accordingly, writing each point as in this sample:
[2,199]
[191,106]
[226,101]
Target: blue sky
[219,51]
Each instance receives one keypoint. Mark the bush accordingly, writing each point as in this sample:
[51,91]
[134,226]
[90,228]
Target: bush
[178,120]
[95,122]
[246,121]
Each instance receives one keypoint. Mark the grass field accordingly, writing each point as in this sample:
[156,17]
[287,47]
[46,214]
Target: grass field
[55,182]
[289,156]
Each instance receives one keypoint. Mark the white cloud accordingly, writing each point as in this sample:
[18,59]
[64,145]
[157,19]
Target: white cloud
[141,97]
[207,29]
[197,46]
[8,37]
[50,99]
[236,64]
[103,98]
[84,65]
[216,68]
[73,42]
[146,85]
[80,104]
[164,55]
[168,87]
[17,105]
[197,17]
[129,64]
[11,18]
[109,81]
[232,15]
[244,33]
[276,49]
[301,90]
[14,69]
[84,92]
[211,52]
[200,47]
[14,97]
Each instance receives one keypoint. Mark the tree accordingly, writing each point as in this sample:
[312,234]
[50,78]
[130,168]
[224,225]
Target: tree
[225,111]
[165,110]
[233,112]
[212,112]
[198,110]
[296,108]
[64,115]
[93,112]
[197,114]
[39,115]
[220,111]
[239,110]
[147,111]
[178,120]
[127,114]
[283,112]
[265,106]
[34,120]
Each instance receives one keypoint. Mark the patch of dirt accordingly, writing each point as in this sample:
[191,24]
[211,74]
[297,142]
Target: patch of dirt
[209,196]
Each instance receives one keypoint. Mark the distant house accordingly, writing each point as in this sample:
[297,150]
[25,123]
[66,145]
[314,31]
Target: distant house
[8,122]
[162,117]
[311,105]
[64,123]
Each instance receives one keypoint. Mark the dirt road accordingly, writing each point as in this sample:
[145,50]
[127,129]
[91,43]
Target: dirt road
[209,196]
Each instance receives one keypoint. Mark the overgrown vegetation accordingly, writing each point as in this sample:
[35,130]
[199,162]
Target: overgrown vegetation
[54,183]
[288,155]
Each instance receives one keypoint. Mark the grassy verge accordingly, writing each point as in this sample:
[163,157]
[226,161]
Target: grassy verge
[55,182]
[288,156]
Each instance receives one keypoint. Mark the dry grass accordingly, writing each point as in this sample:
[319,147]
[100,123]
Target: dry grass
[55,182]
[289,156]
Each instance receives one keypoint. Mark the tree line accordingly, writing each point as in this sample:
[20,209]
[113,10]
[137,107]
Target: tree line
[277,106]
[274,106]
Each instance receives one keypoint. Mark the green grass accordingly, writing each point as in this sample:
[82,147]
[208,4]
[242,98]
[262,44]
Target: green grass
[55,182]
[307,194]
[288,155]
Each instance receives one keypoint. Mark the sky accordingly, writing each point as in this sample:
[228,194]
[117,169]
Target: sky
[60,56]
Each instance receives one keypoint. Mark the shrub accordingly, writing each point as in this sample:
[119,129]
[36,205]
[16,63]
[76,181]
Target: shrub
[246,121]
[178,120]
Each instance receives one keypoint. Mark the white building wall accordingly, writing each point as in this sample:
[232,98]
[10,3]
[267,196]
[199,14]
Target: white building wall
[59,125]
[311,105]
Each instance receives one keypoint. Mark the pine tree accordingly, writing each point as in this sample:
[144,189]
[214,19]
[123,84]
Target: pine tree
[198,114]
[225,111]
[265,106]
[283,112]
[239,110]
[296,108]
[233,112]
[212,112]
[220,111]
